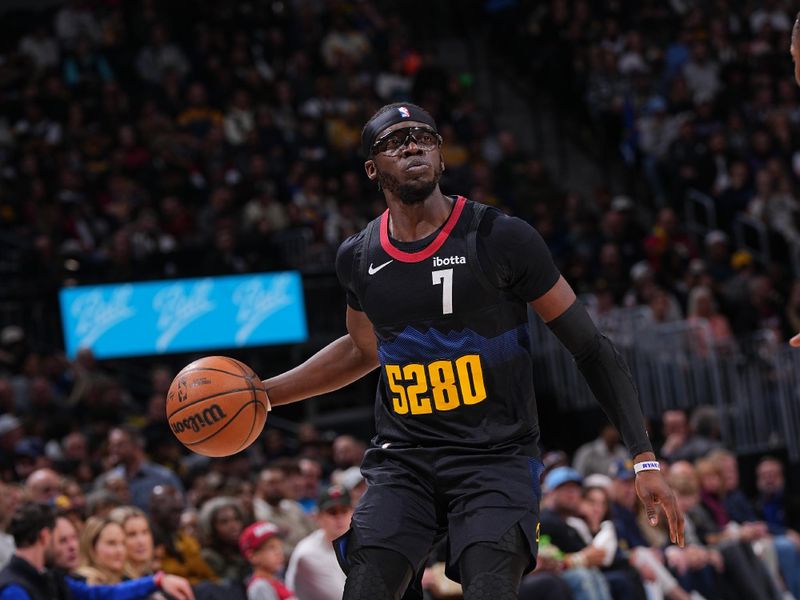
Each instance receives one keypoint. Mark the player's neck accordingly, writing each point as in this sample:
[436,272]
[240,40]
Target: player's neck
[412,222]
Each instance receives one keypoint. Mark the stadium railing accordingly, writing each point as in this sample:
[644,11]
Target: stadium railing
[753,383]
[700,214]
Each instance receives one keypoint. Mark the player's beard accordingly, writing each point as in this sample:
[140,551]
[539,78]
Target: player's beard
[412,192]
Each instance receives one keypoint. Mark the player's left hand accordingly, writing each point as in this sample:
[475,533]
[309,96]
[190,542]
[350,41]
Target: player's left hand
[654,490]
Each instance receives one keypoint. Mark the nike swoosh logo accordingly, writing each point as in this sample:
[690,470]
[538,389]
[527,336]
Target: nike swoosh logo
[372,270]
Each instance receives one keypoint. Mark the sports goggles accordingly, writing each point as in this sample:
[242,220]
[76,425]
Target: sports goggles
[393,142]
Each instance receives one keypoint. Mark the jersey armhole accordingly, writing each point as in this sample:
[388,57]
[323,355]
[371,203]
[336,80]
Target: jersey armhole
[478,212]
[360,265]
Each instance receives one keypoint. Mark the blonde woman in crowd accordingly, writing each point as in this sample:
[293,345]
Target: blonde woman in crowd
[10,499]
[715,330]
[103,553]
[138,540]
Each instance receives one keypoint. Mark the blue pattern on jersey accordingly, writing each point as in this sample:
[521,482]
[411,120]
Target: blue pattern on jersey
[414,346]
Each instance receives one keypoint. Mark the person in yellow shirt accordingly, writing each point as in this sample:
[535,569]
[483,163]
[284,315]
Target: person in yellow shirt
[177,553]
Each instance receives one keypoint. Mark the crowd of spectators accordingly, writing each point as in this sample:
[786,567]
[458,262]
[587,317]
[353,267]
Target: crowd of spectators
[124,517]
[690,96]
[202,520]
[144,141]
[593,526]
[156,144]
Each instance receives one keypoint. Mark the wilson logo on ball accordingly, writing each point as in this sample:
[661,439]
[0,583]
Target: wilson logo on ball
[216,406]
[197,421]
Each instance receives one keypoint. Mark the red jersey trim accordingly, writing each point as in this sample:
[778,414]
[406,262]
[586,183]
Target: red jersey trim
[430,249]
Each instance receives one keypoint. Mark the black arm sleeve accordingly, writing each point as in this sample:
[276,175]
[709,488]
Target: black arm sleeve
[606,373]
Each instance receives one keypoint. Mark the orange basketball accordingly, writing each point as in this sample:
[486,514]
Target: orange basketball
[216,406]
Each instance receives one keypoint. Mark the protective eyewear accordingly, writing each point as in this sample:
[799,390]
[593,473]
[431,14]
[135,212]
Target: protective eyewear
[393,142]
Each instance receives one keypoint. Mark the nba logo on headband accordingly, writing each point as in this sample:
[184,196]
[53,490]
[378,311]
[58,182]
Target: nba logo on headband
[388,116]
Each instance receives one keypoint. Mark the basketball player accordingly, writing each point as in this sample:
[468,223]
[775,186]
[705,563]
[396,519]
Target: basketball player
[438,290]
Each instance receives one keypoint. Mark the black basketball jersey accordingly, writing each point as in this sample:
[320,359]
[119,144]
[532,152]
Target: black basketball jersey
[452,328]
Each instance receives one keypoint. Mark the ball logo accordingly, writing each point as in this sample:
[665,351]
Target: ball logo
[182,394]
[198,420]
[200,381]
[404,112]
[452,260]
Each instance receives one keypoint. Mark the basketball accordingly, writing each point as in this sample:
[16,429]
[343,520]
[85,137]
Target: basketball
[216,406]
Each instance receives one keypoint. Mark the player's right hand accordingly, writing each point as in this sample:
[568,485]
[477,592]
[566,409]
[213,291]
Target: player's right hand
[795,341]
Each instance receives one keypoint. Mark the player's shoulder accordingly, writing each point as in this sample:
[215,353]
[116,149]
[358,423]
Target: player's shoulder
[349,254]
[350,244]
[348,247]
[497,227]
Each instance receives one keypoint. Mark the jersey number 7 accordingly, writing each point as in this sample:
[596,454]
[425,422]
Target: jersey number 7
[445,277]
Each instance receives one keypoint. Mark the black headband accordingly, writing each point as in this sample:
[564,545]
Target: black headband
[407,112]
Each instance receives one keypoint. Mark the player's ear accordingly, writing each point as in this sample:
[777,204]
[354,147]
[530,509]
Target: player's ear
[372,171]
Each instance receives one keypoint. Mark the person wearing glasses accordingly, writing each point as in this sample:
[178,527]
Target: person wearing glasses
[438,290]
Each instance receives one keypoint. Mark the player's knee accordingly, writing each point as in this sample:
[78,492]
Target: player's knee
[491,586]
[494,570]
[377,573]
[364,582]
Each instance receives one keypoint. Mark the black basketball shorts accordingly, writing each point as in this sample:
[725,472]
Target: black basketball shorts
[415,495]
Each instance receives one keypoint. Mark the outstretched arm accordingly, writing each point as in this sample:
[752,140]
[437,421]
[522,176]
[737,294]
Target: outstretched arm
[610,381]
[341,362]
[176,587]
[14,592]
